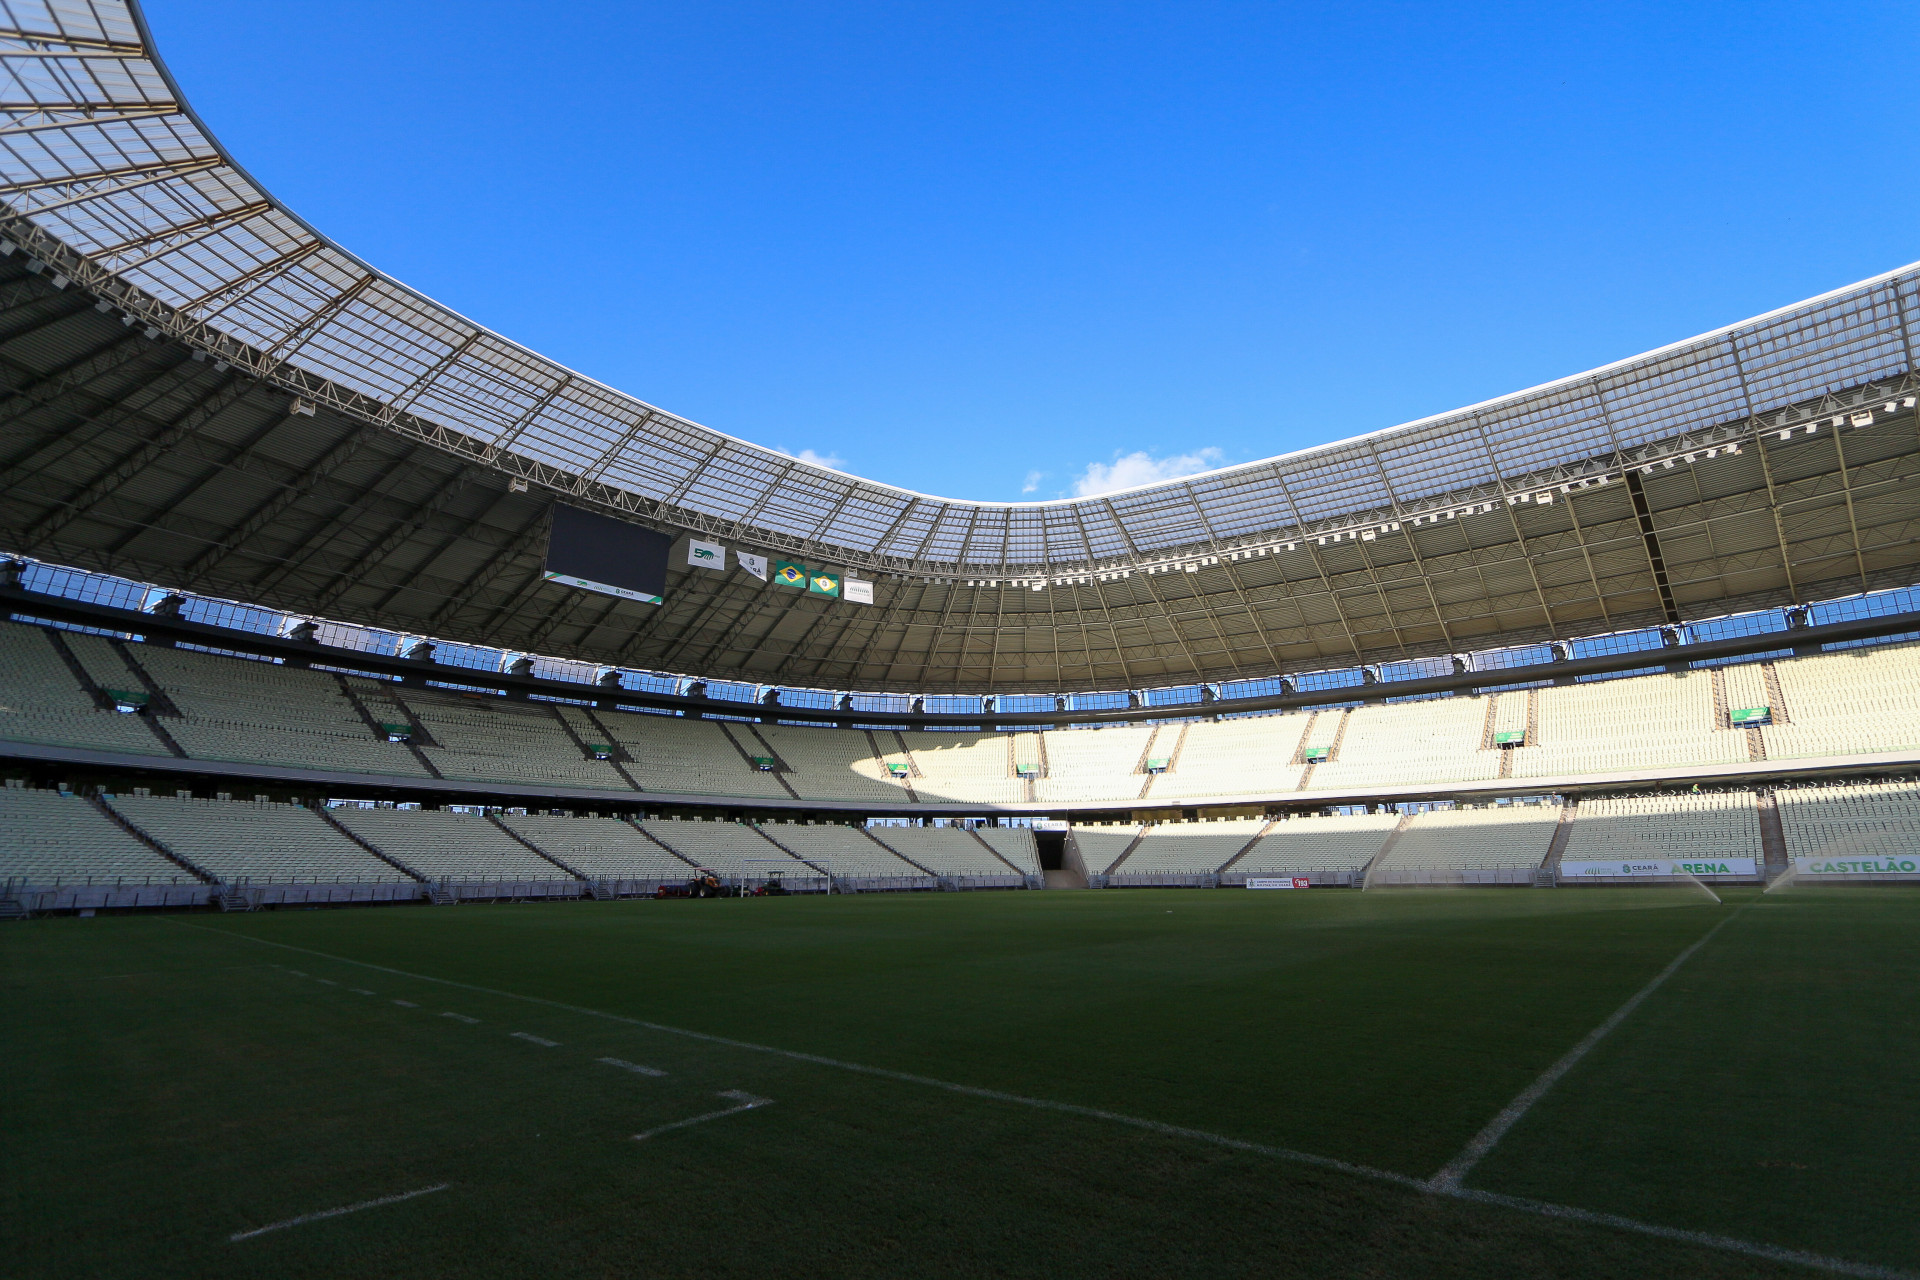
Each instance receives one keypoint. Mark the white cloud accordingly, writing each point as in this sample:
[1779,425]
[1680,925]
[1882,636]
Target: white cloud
[832,461]
[1032,482]
[1140,467]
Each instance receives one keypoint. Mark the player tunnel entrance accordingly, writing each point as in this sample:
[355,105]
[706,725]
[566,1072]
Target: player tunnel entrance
[1053,849]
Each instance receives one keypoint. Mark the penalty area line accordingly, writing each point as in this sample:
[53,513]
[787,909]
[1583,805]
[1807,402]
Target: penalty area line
[1455,1171]
[305,1218]
[1537,1208]
[744,1102]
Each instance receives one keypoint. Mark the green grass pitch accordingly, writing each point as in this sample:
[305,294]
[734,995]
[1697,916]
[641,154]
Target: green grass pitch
[173,1082]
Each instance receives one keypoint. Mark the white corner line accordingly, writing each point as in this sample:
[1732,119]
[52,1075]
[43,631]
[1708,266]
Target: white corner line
[1539,1208]
[634,1067]
[744,1102]
[1454,1172]
[305,1218]
[542,1041]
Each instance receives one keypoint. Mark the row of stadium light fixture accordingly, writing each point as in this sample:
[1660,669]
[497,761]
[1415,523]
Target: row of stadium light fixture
[1370,532]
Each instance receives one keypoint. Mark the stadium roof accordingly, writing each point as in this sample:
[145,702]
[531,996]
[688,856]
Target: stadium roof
[204,390]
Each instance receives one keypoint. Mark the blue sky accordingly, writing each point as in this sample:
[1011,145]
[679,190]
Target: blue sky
[1024,251]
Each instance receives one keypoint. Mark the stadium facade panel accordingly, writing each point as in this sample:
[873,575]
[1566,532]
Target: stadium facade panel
[204,390]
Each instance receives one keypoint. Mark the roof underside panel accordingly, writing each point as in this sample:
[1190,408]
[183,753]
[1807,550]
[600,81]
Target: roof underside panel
[254,412]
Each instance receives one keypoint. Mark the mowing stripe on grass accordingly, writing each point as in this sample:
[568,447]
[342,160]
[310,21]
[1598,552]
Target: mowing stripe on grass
[305,1218]
[1540,1208]
[745,1102]
[1454,1172]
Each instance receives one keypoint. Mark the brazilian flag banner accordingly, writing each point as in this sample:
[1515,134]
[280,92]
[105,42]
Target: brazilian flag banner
[789,574]
[823,583]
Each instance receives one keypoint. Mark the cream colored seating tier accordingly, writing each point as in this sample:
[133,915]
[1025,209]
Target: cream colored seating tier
[1679,826]
[846,851]
[604,848]
[47,839]
[1502,838]
[728,848]
[1188,847]
[1015,844]
[1873,820]
[945,851]
[257,841]
[1099,846]
[1300,846]
[443,844]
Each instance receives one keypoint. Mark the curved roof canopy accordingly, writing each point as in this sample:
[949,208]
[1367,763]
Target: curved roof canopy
[405,486]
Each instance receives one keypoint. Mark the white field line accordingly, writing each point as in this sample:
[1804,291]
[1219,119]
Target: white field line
[1454,1172]
[542,1041]
[743,1102]
[406,1004]
[457,1017]
[634,1067]
[305,1218]
[362,991]
[1541,1208]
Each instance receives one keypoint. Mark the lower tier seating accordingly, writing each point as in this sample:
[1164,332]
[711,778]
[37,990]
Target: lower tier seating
[1317,845]
[727,848]
[1665,827]
[1875,820]
[443,844]
[1188,848]
[845,851]
[603,848]
[945,851]
[1101,843]
[1501,837]
[47,838]
[257,841]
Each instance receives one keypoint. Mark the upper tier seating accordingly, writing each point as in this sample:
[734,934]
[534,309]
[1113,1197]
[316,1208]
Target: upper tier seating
[1324,845]
[1015,844]
[1504,837]
[256,840]
[1101,843]
[1626,726]
[266,713]
[728,848]
[41,701]
[1233,757]
[1405,743]
[47,839]
[687,757]
[1188,847]
[1848,703]
[1092,764]
[1851,702]
[974,767]
[603,848]
[444,845]
[1867,820]
[485,738]
[842,850]
[1679,826]
[830,765]
[945,851]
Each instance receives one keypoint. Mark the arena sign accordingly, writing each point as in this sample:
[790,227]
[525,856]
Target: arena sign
[1893,865]
[1628,868]
[1278,882]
